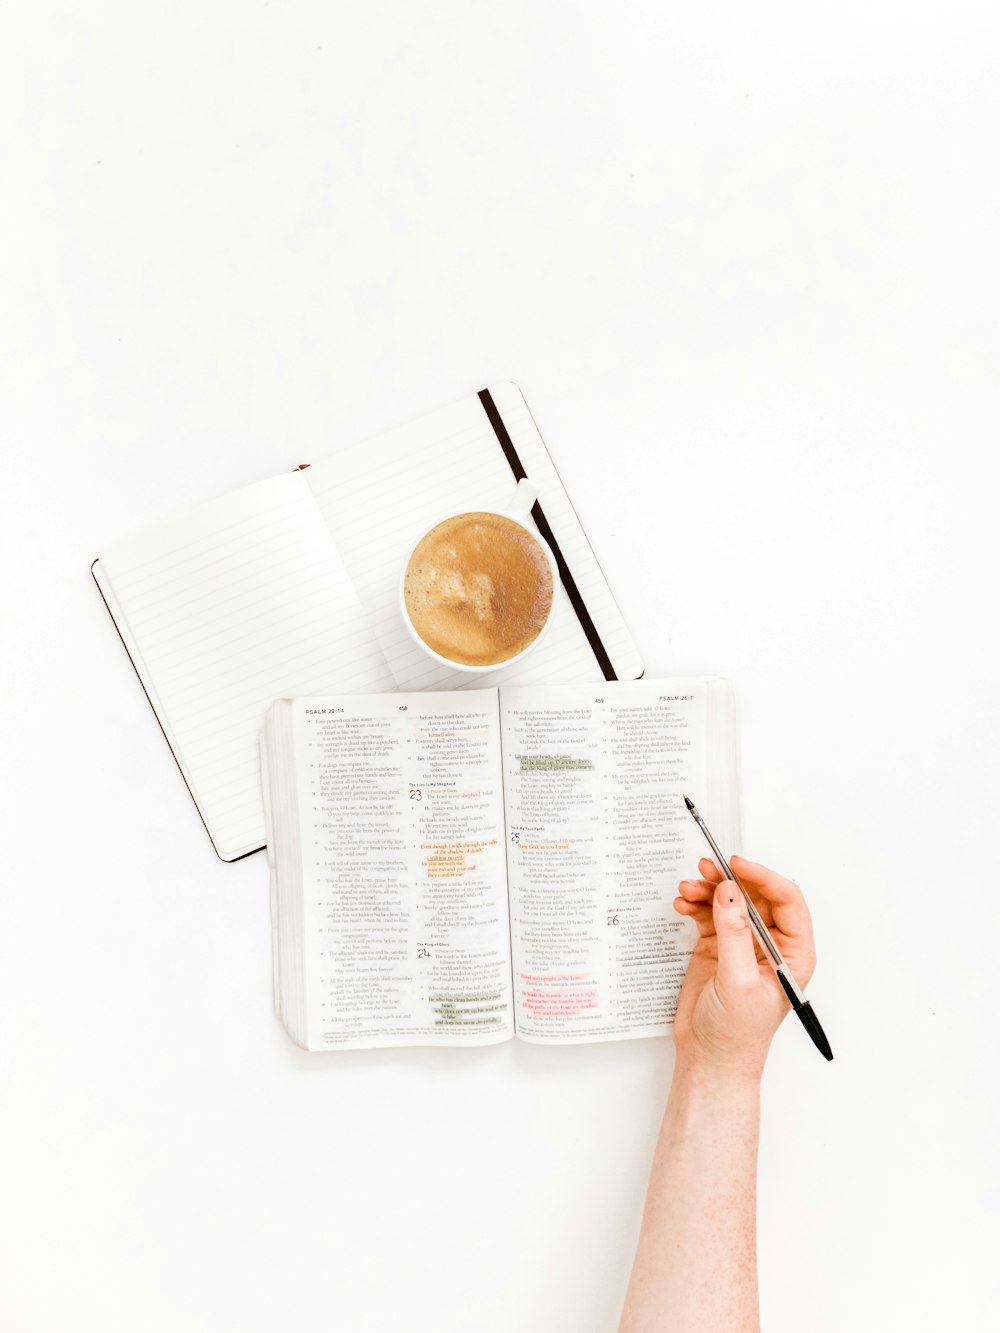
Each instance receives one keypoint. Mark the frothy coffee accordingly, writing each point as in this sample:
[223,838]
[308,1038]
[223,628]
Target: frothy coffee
[478,589]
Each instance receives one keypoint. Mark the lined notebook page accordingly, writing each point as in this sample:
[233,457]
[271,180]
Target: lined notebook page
[225,608]
[378,497]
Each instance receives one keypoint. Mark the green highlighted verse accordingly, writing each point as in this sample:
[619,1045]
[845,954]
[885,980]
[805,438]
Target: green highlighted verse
[483,1013]
[552,763]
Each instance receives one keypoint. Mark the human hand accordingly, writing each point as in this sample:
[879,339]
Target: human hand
[731,1003]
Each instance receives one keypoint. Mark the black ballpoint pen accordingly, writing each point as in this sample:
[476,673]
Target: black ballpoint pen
[798,1001]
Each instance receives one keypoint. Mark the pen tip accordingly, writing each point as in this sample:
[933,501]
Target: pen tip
[689,803]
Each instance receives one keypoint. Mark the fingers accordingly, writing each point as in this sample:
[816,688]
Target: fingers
[736,972]
[778,900]
[710,870]
[699,912]
[774,887]
[783,897]
[701,890]
[696,890]
[697,903]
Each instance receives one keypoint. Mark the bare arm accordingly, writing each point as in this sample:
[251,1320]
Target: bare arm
[695,1267]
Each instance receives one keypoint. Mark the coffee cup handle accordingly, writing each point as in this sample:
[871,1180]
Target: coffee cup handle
[522,501]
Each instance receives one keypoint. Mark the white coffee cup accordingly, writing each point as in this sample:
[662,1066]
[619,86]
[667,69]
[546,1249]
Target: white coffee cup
[518,511]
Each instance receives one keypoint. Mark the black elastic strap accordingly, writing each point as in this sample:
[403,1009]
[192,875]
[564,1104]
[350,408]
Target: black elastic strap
[568,582]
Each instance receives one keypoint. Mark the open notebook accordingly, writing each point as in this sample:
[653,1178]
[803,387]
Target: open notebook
[289,587]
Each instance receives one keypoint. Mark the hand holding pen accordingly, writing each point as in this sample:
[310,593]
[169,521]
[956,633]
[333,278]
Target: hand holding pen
[732,1001]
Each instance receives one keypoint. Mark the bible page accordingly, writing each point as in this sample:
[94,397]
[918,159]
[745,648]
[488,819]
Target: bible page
[224,608]
[401,830]
[598,840]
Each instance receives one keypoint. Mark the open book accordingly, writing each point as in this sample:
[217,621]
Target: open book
[289,587]
[458,868]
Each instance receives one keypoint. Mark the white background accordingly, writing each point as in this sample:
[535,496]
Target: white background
[743,262]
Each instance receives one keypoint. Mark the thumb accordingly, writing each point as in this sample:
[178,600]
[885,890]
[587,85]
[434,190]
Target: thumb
[737,969]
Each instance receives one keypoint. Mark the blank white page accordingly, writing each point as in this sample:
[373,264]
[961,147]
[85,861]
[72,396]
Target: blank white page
[378,497]
[223,609]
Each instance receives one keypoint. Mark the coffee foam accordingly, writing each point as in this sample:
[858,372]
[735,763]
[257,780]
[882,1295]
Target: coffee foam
[478,589]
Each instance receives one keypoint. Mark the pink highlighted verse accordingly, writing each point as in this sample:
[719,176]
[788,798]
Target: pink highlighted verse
[557,1001]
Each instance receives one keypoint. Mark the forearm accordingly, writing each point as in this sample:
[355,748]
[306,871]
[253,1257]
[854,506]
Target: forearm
[695,1267]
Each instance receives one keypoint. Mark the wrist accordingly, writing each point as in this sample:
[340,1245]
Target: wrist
[699,1074]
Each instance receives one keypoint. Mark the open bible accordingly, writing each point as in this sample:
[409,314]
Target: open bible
[462,867]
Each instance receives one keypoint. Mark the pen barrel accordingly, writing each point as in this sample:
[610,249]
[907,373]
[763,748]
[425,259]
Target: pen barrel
[788,984]
[762,933]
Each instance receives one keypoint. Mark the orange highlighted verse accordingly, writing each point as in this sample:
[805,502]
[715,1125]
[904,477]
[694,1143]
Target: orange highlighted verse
[451,860]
